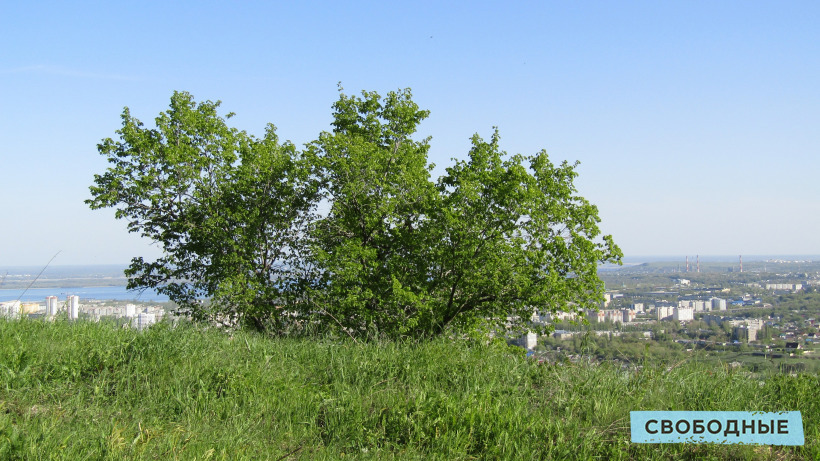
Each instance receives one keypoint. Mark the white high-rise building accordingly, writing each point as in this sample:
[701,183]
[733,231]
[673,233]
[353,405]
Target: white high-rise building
[683,314]
[558,316]
[73,307]
[51,306]
[663,312]
[718,304]
[528,340]
[614,315]
[143,320]
[10,309]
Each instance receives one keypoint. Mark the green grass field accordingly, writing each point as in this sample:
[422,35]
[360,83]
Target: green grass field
[91,391]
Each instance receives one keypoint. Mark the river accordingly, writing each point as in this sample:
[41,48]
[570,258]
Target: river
[119,293]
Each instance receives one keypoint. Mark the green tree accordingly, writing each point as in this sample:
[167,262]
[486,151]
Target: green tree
[227,209]
[394,253]
[372,243]
[495,238]
[513,237]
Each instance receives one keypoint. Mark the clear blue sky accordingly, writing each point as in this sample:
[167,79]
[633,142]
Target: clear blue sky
[697,124]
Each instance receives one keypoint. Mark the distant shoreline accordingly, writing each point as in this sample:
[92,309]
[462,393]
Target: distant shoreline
[63,278]
[116,270]
[719,258]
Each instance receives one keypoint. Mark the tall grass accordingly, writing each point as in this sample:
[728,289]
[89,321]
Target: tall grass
[89,391]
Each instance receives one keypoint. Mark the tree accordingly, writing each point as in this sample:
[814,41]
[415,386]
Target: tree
[513,237]
[395,254]
[372,244]
[227,209]
[492,240]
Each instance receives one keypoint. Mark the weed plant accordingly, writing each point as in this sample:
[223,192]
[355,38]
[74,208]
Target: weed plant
[91,391]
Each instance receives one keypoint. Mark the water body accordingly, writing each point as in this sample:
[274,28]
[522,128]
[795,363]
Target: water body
[119,293]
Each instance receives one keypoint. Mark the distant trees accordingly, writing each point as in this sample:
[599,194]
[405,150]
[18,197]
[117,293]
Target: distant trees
[389,251]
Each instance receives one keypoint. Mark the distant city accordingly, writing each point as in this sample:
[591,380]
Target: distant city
[740,294]
[733,301]
[138,316]
[85,292]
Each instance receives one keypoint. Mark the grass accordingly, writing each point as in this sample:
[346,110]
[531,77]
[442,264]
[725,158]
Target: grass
[90,391]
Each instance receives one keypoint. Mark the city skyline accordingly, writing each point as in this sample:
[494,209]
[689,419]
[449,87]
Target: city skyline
[694,124]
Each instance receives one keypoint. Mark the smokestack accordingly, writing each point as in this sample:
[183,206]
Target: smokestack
[687,264]
[697,257]
[741,263]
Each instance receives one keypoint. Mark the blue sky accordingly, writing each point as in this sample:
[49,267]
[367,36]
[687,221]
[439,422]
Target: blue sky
[696,123]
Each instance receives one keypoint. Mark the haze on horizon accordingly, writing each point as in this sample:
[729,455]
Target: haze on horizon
[695,124]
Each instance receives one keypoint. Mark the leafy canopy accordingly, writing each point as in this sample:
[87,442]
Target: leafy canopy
[351,232]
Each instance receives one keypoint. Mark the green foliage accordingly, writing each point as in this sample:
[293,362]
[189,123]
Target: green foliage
[226,208]
[513,236]
[373,244]
[396,254]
